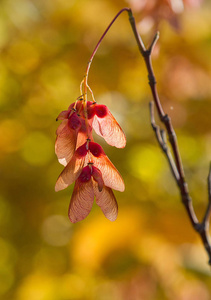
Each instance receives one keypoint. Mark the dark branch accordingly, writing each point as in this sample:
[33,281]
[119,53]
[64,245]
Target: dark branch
[161,138]
[174,161]
[208,211]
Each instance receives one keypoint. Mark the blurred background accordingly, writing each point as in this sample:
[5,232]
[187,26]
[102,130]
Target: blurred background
[150,252]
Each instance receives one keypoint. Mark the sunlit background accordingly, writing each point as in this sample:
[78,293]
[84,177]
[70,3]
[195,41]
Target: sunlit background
[150,252]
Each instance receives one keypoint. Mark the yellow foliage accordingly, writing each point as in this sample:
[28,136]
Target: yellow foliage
[150,252]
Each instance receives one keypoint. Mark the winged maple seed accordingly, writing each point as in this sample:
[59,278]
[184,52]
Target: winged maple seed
[85,161]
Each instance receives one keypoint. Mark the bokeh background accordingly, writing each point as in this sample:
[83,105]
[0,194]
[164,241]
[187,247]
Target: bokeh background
[150,252]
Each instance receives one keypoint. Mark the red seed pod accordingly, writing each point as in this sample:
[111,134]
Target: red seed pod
[74,121]
[85,175]
[90,109]
[101,110]
[81,151]
[95,149]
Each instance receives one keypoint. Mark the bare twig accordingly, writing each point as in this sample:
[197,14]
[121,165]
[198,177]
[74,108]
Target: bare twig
[208,211]
[174,161]
[161,138]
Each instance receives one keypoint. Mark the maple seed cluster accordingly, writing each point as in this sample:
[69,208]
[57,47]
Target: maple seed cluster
[85,162]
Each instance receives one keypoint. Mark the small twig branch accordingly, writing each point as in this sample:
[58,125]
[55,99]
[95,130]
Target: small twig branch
[174,161]
[161,138]
[208,211]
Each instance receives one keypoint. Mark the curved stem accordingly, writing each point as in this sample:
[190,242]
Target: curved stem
[96,48]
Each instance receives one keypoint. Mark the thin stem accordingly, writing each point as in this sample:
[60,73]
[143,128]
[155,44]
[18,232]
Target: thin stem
[154,41]
[96,48]
[137,36]
[161,138]
[208,211]
[92,94]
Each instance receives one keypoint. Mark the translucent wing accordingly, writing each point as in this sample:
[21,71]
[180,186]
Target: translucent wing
[61,127]
[81,201]
[63,115]
[81,139]
[110,175]
[70,173]
[67,133]
[108,128]
[106,201]
[65,143]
